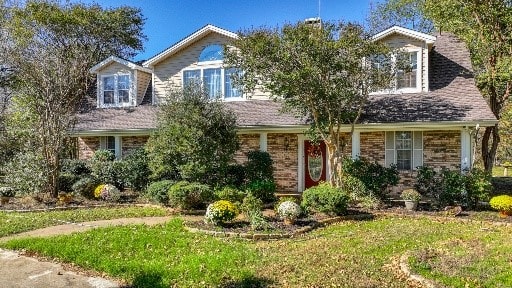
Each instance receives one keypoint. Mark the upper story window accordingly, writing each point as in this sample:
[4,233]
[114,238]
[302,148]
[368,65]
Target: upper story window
[212,52]
[214,78]
[408,78]
[115,90]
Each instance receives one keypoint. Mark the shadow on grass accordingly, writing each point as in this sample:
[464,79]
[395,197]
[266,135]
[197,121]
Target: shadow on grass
[247,282]
[148,280]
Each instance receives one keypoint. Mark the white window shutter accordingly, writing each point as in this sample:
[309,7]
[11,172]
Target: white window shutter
[103,142]
[417,159]
[390,148]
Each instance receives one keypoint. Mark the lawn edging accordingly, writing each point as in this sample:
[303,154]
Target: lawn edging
[406,271]
[278,236]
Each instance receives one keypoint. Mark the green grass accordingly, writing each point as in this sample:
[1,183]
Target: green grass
[13,222]
[348,254]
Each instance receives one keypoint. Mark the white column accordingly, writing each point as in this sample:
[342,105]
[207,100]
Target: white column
[356,145]
[119,147]
[465,150]
[263,142]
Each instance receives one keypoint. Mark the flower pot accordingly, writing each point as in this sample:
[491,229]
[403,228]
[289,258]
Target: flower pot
[4,200]
[505,213]
[289,221]
[411,205]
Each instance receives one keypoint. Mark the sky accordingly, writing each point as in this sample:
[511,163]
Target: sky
[169,21]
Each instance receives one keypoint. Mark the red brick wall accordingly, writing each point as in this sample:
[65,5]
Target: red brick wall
[248,142]
[130,143]
[87,146]
[283,148]
[441,149]
[372,145]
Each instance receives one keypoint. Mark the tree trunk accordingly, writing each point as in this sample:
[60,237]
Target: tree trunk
[490,141]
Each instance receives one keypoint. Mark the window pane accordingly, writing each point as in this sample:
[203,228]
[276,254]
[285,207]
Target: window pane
[108,83]
[111,144]
[212,80]
[211,53]
[191,77]
[123,82]
[229,89]
[108,97]
[407,79]
[403,148]
[124,96]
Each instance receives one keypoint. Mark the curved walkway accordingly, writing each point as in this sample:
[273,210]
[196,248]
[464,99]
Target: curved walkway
[19,271]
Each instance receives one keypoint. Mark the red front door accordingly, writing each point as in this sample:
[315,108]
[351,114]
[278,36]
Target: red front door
[315,157]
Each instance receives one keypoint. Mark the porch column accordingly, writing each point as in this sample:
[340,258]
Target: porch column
[119,147]
[356,144]
[263,142]
[465,150]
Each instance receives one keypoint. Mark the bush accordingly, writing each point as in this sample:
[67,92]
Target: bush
[410,195]
[251,208]
[85,187]
[26,173]
[136,170]
[230,193]
[220,212]
[325,198]
[259,166]
[375,177]
[76,167]
[502,203]
[190,195]
[235,175]
[159,191]
[263,190]
[7,192]
[66,181]
[106,169]
[427,181]
[289,210]
[479,186]
[107,192]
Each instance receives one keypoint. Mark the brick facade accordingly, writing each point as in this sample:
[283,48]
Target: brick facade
[283,148]
[87,146]
[441,149]
[130,143]
[372,146]
[248,142]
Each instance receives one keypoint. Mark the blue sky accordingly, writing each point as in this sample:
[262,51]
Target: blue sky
[168,21]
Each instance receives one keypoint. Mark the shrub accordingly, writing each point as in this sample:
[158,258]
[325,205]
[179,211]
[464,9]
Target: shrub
[235,175]
[76,167]
[7,192]
[230,193]
[427,181]
[220,212]
[325,198]
[66,181]
[136,170]
[107,192]
[259,166]
[289,210]
[251,208]
[263,190]
[85,187]
[106,169]
[411,195]
[190,195]
[502,203]
[284,199]
[27,173]
[375,177]
[159,191]
[478,185]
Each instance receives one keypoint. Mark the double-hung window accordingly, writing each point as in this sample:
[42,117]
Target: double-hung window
[115,90]
[408,78]
[404,149]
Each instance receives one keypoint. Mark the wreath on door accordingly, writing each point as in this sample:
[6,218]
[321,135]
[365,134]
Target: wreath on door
[314,151]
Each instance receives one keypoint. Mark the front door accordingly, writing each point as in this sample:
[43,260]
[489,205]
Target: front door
[315,157]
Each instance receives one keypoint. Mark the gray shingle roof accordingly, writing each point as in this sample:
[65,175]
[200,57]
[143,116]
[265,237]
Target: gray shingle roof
[453,96]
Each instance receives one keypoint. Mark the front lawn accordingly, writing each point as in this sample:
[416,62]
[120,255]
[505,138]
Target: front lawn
[14,222]
[348,254]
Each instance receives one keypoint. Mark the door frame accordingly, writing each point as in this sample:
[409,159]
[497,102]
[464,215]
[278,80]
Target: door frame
[302,164]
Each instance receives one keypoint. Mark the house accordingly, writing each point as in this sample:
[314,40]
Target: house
[427,119]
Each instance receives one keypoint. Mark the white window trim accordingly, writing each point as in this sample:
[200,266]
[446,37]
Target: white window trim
[415,151]
[131,92]
[117,144]
[211,65]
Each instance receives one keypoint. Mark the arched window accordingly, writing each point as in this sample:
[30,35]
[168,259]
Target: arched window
[211,53]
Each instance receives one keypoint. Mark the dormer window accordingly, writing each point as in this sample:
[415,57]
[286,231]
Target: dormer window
[115,90]
[216,79]
[408,78]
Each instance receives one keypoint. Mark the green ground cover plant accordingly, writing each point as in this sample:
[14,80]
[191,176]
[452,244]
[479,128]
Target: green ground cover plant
[347,254]
[13,222]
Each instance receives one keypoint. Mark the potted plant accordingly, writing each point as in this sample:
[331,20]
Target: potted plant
[289,211]
[502,203]
[6,193]
[411,198]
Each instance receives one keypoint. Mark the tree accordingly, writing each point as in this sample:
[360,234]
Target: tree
[404,13]
[322,72]
[195,139]
[486,29]
[51,48]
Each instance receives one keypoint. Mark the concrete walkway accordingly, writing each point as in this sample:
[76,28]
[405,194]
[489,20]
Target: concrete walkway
[19,271]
